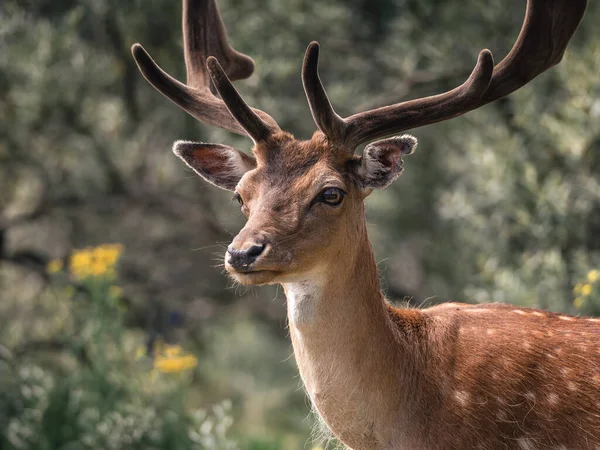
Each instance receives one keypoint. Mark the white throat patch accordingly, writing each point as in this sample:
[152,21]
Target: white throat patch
[302,301]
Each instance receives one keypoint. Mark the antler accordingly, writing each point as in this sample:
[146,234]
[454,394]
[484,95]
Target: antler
[205,41]
[546,31]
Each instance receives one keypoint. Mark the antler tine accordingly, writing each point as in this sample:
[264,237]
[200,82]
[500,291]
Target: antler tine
[546,31]
[323,113]
[234,102]
[204,36]
[345,130]
[387,120]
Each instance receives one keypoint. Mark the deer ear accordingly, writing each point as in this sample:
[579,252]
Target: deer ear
[218,164]
[381,162]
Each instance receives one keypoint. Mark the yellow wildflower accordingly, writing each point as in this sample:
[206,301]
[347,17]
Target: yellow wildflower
[578,302]
[593,276]
[108,253]
[175,364]
[577,288]
[80,262]
[54,266]
[97,268]
[586,290]
[95,262]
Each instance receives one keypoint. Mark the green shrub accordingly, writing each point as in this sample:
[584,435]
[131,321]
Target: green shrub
[94,392]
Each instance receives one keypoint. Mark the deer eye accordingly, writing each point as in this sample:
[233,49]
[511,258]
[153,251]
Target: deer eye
[238,198]
[332,196]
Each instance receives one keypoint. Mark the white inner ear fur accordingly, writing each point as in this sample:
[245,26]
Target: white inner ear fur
[375,169]
[236,164]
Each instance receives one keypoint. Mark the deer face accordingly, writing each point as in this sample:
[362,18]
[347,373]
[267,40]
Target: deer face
[303,200]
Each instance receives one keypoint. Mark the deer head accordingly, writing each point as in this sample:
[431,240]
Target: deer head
[303,199]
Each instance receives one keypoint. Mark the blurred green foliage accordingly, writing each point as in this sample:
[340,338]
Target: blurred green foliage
[502,204]
[93,394]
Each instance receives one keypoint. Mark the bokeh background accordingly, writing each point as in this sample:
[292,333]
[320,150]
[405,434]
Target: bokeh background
[118,328]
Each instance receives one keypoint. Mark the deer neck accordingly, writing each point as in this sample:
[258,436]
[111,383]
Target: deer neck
[336,298]
[344,342]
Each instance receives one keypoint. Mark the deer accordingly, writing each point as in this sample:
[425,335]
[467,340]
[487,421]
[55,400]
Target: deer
[450,376]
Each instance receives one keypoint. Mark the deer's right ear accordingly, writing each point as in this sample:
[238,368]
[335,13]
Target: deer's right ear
[218,164]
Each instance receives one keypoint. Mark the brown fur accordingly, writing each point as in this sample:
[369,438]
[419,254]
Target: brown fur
[454,376]
[449,377]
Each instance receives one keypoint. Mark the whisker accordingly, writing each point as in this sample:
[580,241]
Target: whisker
[218,244]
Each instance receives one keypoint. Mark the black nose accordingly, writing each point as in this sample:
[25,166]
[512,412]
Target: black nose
[241,259]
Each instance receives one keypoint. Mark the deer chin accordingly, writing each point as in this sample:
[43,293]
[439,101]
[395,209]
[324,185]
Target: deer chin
[254,277]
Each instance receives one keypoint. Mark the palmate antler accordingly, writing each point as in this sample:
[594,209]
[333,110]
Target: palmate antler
[205,42]
[546,31]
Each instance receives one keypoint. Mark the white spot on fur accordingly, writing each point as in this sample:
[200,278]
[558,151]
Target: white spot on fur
[572,386]
[530,396]
[552,399]
[538,314]
[490,331]
[476,310]
[566,318]
[462,397]
[518,311]
[524,444]
[526,345]
[593,320]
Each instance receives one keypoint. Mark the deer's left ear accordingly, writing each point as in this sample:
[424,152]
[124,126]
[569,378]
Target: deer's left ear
[381,162]
[218,164]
